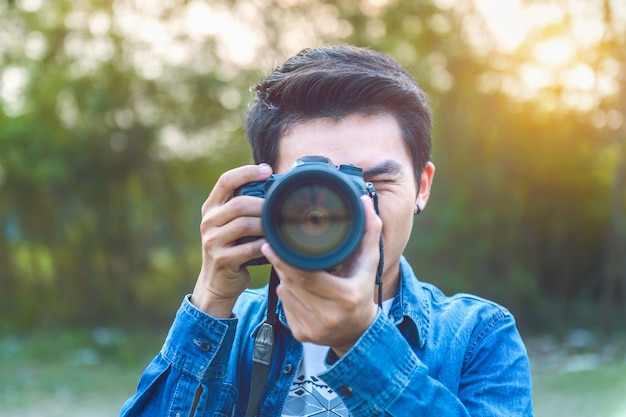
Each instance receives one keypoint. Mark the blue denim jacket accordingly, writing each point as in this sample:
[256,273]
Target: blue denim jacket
[432,355]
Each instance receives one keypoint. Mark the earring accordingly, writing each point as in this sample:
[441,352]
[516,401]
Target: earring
[417,210]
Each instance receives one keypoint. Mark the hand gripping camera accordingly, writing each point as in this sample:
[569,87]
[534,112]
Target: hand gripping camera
[313,217]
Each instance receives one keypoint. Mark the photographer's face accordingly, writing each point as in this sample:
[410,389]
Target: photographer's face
[373,143]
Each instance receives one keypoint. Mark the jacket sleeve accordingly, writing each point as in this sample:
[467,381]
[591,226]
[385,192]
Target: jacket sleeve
[383,376]
[192,362]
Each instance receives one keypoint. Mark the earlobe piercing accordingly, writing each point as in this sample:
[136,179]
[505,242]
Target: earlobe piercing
[417,210]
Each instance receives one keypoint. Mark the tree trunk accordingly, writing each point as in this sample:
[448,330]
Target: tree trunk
[614,277]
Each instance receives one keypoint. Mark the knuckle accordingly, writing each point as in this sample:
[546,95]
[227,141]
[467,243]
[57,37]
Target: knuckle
[245,204]
[298,336]
[208,243]
[249,224]
[226,179]
[250,250]
[237,205]
[378,222]
[328,322]
[207,223]
[304,335]
[221,262]
[255,248]
[233,178]
[206,206]
[349,300]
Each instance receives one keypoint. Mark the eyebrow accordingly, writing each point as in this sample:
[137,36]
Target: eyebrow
[387,167]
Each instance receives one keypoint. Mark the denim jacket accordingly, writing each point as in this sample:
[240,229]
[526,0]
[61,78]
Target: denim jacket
[432,355]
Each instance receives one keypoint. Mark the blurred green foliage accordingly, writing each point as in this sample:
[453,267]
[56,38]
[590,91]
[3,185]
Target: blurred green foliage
[117,117]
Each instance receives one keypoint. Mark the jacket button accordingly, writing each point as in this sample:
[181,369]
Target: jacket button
[345,391]
[203,345]
[287,369]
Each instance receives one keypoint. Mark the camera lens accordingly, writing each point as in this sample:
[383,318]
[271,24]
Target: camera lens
[313,219]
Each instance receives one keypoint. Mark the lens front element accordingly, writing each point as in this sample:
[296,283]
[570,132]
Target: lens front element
[314,220]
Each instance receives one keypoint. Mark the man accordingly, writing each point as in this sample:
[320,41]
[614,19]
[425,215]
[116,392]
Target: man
[336,352]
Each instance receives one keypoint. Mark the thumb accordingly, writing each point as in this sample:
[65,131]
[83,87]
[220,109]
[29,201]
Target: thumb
[368,253]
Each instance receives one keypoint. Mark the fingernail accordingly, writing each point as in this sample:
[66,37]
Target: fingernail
[265,169]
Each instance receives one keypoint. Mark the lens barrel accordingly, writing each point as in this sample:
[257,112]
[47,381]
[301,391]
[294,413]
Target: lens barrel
[313,217]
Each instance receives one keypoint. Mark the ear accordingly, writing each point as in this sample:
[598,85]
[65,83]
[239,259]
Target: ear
[425,182]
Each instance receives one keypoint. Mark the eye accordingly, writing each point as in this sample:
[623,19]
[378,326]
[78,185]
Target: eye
[381,183]
[381,180]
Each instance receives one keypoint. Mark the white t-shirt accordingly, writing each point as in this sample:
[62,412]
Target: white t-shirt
[309,395]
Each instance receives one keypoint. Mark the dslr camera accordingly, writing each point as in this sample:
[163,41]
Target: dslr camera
[313,217]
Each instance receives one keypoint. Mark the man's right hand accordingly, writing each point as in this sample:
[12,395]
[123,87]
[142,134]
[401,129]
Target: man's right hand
[225,220]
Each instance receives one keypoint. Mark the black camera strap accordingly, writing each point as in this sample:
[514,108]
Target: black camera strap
[381,247]
[263,348]
[264,339]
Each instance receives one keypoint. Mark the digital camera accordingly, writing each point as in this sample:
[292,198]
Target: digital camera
[312,217]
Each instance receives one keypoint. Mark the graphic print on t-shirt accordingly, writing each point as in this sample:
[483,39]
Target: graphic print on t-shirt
[310,396]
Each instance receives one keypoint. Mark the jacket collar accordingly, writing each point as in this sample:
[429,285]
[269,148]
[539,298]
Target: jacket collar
[411,302]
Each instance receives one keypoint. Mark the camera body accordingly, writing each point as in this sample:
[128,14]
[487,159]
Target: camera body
[312,217]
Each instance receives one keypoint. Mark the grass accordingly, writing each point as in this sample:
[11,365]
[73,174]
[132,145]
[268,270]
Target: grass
[73,373]
[580,375]
[80,372]
[593,393]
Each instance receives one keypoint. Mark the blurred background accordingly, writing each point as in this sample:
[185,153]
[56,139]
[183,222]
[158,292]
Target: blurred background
[118,116]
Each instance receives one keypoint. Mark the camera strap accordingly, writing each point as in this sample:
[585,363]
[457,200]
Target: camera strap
[264,339]
[263,348]
[381,260]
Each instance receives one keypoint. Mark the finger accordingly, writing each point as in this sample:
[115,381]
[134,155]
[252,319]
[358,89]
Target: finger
[290,272]
[229,181]
[241,253]
[230,233]
[373,223]
[368,253]
[271,256]
[242,206]
[306,284]
[286,272]
[294,310]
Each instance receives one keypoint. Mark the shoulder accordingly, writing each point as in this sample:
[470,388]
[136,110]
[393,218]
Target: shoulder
[463,317]
[462,303]
[251,303]
[470,318]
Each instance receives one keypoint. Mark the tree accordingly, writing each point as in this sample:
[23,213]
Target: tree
[117,118]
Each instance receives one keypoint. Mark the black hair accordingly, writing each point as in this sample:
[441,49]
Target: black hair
[335,82]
